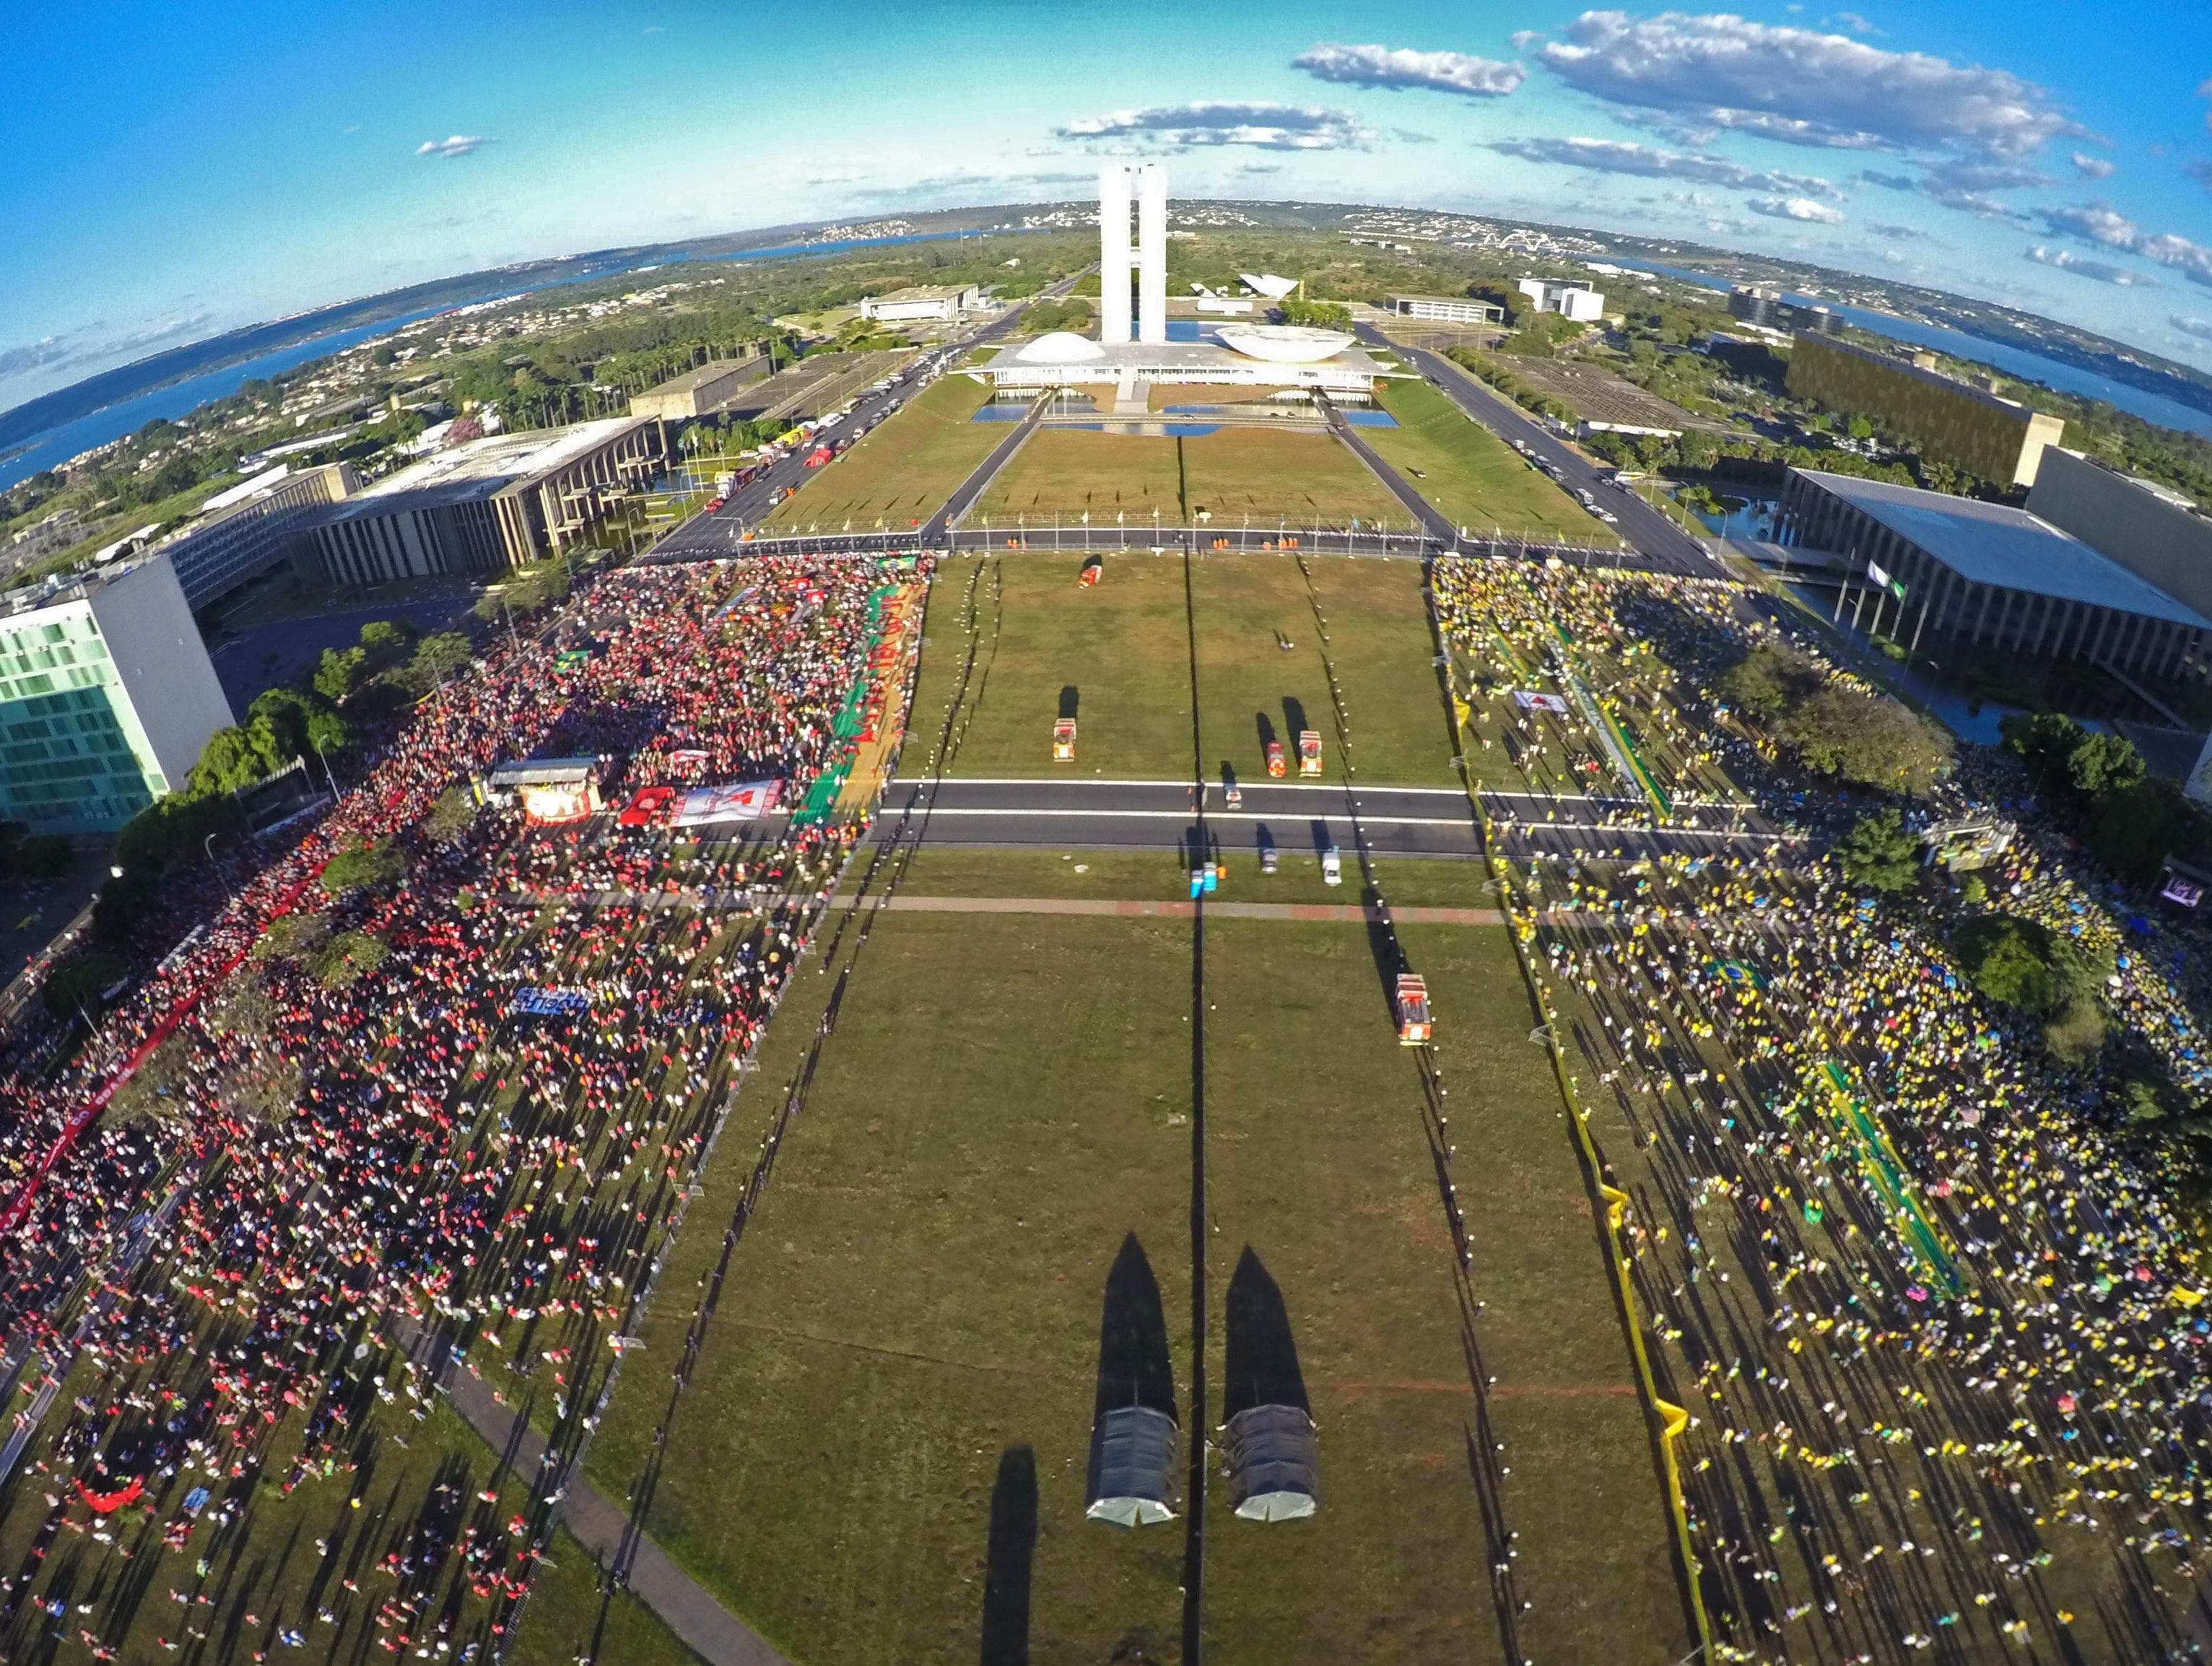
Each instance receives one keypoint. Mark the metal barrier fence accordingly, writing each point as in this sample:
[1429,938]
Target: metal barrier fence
[1405,545]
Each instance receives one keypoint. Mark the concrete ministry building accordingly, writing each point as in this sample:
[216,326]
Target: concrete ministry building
[1285,356]
[698,392]
[1955,422]
[1447,309]
[1574,300]
[106,698]
[254,528]
[489,504]
[923,303]
[1989,576]
[2158,535]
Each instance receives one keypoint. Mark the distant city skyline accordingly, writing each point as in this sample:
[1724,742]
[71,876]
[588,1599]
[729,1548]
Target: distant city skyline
[170,185]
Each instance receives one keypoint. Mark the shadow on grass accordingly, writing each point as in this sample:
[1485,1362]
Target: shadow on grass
[1261,1364]
[1133,1367]
[1009,1561]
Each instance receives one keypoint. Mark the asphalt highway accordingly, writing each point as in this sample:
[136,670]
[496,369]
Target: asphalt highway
[1160,815]
[1664,545]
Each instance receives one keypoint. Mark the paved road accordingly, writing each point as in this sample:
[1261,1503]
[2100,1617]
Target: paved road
[1172,909]
[1663,545]
[1434,525]
[721,533]
[1161,815]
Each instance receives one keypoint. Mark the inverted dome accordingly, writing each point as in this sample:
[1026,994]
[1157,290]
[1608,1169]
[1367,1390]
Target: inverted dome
[1284,344]
[1060,347]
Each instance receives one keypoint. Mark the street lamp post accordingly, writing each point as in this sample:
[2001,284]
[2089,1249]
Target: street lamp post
[209,845]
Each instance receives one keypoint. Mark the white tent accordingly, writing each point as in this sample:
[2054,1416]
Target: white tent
[1274,1464]
[1133,1461]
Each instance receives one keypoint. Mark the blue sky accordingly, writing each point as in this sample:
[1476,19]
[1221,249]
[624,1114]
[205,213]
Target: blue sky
[165,182]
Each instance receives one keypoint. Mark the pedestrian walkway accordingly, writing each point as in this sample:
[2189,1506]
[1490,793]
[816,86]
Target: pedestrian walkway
[603,1528]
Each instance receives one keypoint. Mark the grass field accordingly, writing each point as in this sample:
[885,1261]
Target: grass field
[1265,474]
[570,1618]
[1467,473]
[913,1314]
[901,474]
[1124,651]
[916,1305]
[1319,1160]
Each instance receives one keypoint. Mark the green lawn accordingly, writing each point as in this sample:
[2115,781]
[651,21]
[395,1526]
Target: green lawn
[1121,655]
[1320,1162]
[1467,471]
[919,1295]
[917,1302]
[571,1617]
[901,474]
[1265,475]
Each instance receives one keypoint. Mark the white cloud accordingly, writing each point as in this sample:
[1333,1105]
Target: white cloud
[2199,327]
[1523,40]
[2103,271]
[1973,203]
[1796,208]
[1265,126]
[459,145]
[1626,156]
[82,346]
[2092,168]
[1400,66]
[1802,86]
[2199,170]
[1853,22]
[2103,224]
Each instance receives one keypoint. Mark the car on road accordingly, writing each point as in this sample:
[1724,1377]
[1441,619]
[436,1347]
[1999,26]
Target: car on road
[713,504]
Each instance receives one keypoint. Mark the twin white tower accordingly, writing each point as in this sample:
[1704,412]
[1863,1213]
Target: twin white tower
[1151,259]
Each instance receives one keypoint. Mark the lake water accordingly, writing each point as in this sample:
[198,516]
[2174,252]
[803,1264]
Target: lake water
[2013,361]
[66,440]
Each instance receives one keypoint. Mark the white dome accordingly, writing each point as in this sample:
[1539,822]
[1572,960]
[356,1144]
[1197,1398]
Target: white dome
[1060,347]
[1284,344]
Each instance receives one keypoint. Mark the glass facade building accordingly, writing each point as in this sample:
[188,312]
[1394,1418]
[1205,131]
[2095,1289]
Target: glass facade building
[107,696]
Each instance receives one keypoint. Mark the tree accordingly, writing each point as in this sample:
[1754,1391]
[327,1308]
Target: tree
[385,641]
[341,671]
[436,658]
[450,816]
[327,732]
[1769,680]
[2102,763]
[2004,958]
[1879,854]
[2044,974]
[230,760]
[45,856]
[1867,737]
[362,865]
[341,961]
[77,984]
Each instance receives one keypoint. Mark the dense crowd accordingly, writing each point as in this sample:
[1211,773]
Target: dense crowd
[474,1144]
[1931,1303]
